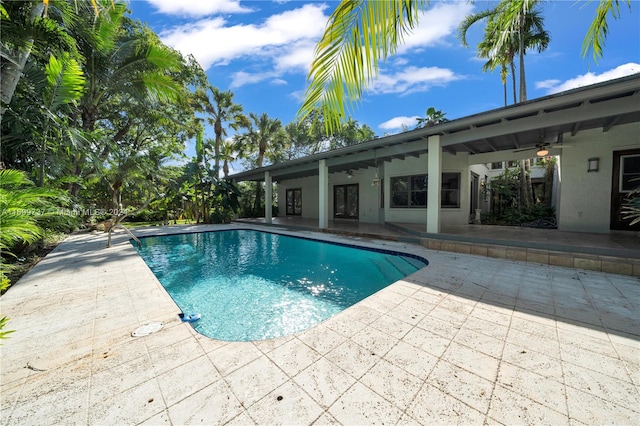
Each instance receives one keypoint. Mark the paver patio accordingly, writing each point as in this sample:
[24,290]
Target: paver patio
[466,340]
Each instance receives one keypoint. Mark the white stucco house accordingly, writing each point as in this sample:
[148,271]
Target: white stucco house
[433,176]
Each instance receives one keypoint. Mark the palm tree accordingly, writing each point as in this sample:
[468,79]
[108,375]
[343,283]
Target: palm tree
[362,33]
[432,118]
[223,111]
[227,151]
[263,134]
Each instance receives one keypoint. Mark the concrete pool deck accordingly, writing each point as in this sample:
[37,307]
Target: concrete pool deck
[466,340]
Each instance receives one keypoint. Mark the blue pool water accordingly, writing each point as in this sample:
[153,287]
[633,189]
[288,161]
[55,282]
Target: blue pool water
[252,285]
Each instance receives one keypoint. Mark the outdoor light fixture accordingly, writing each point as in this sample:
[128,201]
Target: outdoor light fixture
[593,164]
[349,174]
[542,152]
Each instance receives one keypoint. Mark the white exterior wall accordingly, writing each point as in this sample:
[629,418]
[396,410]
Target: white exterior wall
[585,198]
[412,166]
[369,196]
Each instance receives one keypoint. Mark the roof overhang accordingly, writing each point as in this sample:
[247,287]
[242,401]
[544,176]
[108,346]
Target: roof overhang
[515,127]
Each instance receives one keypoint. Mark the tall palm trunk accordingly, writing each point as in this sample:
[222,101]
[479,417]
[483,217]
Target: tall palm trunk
[12,71]
[523,83]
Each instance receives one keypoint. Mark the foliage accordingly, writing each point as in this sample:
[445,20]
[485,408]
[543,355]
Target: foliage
[507,205]
[360,34]
[631,206]
[3,323]
[24,208]
[357,37]
[432,118]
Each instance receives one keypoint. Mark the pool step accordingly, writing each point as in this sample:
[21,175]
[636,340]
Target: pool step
[394,268]
[401,265]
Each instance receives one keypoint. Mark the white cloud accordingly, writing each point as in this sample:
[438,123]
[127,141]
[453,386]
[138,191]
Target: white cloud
[555,86]
[279,82]
[399,123]
[435,25]
[241,78]
[285,38]
[413,79]
[198,7]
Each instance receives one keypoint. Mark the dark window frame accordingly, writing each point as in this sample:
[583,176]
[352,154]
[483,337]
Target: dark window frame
[293,207]
[415,192]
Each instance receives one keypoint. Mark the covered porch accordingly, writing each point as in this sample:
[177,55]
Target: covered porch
[617,252]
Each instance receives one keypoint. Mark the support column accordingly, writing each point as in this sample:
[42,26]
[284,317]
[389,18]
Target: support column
[268,186]
[434,164]
[323,195]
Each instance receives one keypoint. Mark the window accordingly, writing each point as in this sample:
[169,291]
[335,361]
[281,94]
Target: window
[450,195]
[629,172]
[294,202]
[345,201]
[496,165]
[411,191]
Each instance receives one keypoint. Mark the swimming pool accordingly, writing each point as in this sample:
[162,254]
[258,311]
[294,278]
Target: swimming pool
[253,285]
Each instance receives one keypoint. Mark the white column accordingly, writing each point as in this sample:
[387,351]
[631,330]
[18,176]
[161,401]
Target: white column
[268,186]
[434,164]
[323,195]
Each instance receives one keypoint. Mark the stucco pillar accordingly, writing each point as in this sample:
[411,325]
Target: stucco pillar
[323,195]
[434,164]
[268,186]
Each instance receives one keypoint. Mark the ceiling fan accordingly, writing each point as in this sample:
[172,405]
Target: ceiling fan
[542,148]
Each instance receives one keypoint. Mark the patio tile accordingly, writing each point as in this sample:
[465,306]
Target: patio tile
[406,314]
[133,405]
[321,338]
[620,392]
[325,419]
[293,356]
[413,360]
[433,406]
[361,406]
[511,408]
[532,343]
[392,326]
[543,390]
[169,357]
[122,377]
[480,342]
[427,341]
[286,405]
[187,379]
[353,358]
[233,356]
[590,409]
[472,360]
[392,383]
[252,382]
[324,382]
[533,361]
[61,396]
[215,404]
[374,340]
[469,388]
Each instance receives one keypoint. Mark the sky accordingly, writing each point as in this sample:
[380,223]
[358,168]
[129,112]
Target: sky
[261,50]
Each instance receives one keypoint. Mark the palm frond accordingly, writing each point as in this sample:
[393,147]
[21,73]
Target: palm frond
[358,36]
[596,36]
[65,81]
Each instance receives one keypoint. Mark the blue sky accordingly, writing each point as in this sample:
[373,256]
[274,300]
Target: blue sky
[261,50]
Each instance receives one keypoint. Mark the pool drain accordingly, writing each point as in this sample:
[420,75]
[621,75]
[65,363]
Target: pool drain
[145,330]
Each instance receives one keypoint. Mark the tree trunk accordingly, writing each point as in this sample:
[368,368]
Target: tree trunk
[527,177]
[523,83]
[12,71]
[524,197]
[548,183]
[513,82]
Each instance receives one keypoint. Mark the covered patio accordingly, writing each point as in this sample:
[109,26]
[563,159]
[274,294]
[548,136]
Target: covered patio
[618,252]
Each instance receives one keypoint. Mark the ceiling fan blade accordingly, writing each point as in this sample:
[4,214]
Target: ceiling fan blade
[526,149]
